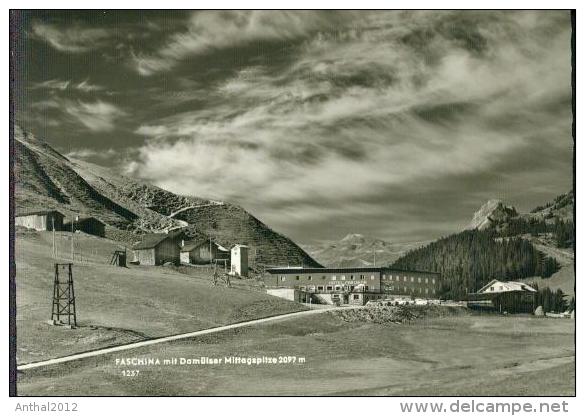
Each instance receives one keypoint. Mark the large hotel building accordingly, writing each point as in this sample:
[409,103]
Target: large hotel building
[353,286]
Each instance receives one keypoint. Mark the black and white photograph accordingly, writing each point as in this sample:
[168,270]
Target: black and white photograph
[293,203]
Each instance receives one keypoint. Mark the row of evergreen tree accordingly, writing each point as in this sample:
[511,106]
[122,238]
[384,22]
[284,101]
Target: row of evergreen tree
[563,231]
[552,301]
[470,259]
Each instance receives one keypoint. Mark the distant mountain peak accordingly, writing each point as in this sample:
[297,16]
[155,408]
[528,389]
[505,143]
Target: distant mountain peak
[492,212]
[353,237]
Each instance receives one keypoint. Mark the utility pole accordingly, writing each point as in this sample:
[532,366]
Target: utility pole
[73,220]
[53,222]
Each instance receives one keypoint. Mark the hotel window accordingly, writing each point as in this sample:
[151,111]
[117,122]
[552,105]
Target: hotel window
[319,287]
[420,290]
[342,277]
[433,280]
[433,291]
[333,277]
[372,277]
[329,287]
[356,296]
[310,278]
[351,277]
[405,278]
[337,287]
[426,280]
[390,277]
[297,277]
[324,277]
[303,287]
[412,279]
[283,278]
[426,291]
[419,279]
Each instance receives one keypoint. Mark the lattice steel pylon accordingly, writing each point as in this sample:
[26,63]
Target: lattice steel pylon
[64,296]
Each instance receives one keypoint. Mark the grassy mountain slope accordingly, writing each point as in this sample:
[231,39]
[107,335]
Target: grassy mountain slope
[45,179]
[117,305]
[229,224]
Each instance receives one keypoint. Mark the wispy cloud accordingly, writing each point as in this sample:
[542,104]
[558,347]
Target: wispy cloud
[87,153]
[209,31]
[392,123]
[73,39]
[57,84]
[425,100]
[98,116]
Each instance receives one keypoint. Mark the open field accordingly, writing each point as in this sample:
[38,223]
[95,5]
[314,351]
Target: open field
[459,355]
[120,305]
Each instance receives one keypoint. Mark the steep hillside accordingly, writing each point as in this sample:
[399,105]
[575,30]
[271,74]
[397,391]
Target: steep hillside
[470,259]
[229,224]
[561,208]
[504,244]
[45,179]
[355,250]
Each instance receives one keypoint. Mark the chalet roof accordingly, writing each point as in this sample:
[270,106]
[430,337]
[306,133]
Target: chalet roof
[501,287]
[152,240]
[88,218]
[38,212]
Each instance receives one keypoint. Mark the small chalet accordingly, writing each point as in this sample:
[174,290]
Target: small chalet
[202,251]
[510,297]
[43,220]
[88,225]
[157,249]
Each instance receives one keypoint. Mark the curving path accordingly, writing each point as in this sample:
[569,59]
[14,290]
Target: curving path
[140,344]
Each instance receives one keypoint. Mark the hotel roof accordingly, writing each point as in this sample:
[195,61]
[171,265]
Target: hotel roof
[317,270]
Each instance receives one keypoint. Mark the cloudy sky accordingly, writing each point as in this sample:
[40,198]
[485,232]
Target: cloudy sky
[393,124]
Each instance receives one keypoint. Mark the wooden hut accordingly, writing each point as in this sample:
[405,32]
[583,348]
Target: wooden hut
[157,249]
[42,220]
